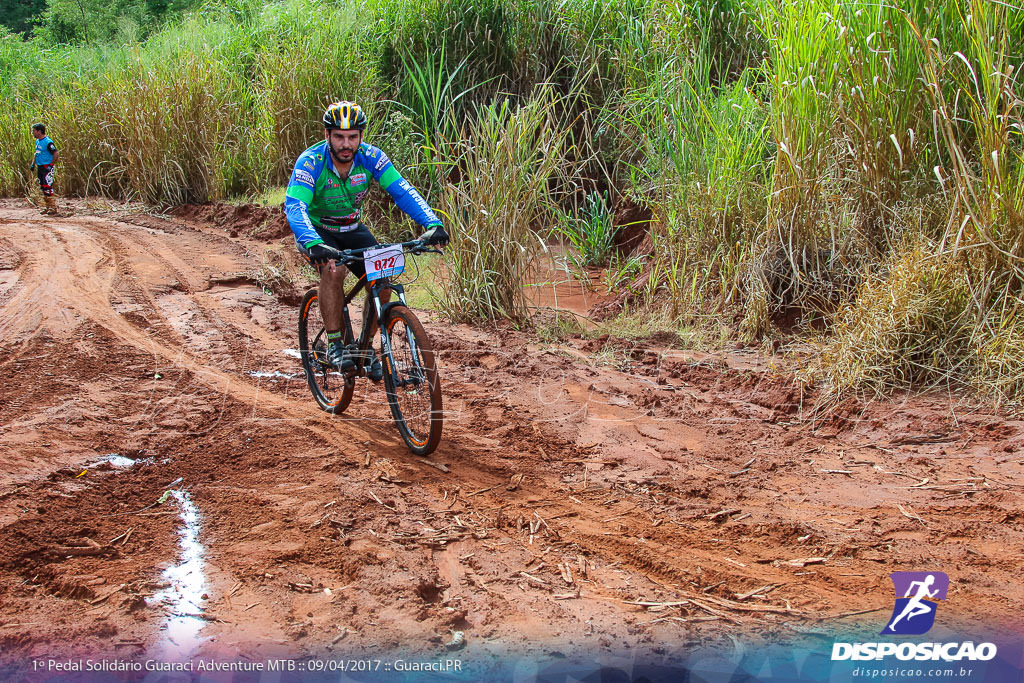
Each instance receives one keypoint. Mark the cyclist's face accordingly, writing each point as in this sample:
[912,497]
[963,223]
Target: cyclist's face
[344,143]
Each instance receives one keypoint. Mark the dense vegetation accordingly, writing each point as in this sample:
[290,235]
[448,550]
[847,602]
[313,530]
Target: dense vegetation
[89,21]
[20,15]
[855,167]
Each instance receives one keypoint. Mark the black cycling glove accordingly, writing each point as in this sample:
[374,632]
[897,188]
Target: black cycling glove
[435,236]
[321,253]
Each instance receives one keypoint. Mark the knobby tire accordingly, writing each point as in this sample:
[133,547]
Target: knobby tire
[413,387]
[332,392]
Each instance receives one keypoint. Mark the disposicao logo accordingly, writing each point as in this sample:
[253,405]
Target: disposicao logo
[917,596]
[914,612]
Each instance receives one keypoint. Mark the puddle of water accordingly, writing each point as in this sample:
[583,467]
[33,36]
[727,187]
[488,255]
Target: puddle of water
[118,461]
[276,374]
[184,595]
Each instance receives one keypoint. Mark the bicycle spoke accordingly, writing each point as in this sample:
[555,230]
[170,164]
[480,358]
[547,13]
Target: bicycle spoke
[413,390]
[331,389]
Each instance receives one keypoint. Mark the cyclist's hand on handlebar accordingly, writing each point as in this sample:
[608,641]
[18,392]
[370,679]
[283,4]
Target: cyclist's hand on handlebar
[321,253]
[435,236]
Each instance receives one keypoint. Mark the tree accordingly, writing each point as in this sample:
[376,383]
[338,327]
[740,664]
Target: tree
[19,15]
[103,21]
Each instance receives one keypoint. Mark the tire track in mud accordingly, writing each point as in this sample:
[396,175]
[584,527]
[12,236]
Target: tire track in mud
[57,293]
[44,311]
[11,270]
[681,558]
[653,551]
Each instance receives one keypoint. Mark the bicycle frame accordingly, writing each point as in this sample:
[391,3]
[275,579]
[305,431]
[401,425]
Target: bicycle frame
[410,371]
[376,287]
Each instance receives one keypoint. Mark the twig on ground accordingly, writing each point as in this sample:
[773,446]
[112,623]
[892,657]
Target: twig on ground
[843,615]
[534,578]
[374,496]
[717,613]
[478,492]
[124,535]
[762,589]
[911,514]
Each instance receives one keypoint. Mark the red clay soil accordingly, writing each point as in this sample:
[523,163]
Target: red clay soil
[263,223]
[573,482]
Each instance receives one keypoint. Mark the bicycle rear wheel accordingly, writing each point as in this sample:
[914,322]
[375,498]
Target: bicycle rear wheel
[331,389]
[412,384]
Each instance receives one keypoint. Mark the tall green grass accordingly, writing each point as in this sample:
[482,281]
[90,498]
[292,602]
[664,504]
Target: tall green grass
[590,230]
[511,154]
[218,105]
[847,164]
[926,225]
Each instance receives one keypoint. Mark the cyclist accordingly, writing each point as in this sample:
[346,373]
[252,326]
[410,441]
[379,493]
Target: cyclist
[322,202]
[45,157]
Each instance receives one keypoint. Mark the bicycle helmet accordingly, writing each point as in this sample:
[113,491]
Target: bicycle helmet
[344,115]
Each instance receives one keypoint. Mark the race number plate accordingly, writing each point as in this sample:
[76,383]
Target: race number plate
[386,261]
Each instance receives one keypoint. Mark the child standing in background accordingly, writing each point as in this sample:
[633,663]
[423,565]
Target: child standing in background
[45,158]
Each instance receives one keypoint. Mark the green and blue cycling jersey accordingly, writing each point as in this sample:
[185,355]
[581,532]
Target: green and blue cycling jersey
[317,192]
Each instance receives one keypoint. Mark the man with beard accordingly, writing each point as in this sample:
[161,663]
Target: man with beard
[322,202]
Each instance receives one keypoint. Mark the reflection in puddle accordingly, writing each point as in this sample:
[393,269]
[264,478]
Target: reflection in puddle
[118,461]
[276,374]
[184,595]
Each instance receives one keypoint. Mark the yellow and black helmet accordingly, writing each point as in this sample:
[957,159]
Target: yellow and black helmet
[345,115]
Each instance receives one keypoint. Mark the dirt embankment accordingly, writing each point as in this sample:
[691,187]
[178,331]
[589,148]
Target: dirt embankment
[600,494]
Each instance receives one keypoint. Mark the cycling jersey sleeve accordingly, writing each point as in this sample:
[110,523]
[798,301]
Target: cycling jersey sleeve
[405,195]
[297,199]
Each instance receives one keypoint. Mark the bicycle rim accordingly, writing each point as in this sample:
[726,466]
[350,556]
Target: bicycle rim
[331,390]
[412,384]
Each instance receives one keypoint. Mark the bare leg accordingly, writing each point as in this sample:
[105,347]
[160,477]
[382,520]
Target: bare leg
[331,294]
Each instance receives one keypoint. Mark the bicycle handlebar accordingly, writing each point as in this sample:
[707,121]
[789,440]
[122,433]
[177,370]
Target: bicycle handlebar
[416,246]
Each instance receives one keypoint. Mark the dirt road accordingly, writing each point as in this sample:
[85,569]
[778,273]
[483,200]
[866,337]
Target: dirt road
[582,480]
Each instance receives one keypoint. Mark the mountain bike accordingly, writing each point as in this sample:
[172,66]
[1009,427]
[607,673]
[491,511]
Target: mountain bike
[409,362]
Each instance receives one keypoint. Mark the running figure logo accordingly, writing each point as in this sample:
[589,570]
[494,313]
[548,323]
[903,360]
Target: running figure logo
[916,602]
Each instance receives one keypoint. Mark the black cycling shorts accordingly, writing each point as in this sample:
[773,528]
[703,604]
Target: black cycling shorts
[360,238]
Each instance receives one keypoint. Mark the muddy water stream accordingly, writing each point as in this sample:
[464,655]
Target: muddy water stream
[183,597]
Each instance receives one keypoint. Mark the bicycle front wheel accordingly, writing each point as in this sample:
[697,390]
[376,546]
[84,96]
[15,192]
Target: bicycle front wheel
[331,389]
[411,381]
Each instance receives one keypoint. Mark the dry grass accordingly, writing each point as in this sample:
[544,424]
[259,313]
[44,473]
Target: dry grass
[499,195]
[946,309]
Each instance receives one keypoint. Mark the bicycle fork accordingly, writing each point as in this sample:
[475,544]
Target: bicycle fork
[387,354]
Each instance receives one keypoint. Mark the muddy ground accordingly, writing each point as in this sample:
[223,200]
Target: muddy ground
[574,480]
